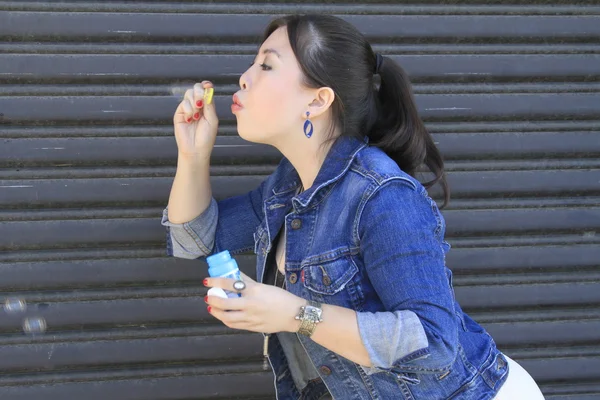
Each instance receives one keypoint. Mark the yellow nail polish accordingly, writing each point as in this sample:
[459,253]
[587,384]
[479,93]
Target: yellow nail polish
[208,95]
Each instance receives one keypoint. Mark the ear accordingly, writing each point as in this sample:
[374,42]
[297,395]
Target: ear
[323,98]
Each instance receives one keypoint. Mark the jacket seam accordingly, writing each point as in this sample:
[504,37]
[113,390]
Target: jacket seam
[369,193]
[201,246]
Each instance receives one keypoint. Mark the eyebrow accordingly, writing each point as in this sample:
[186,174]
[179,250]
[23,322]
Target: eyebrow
[272,51]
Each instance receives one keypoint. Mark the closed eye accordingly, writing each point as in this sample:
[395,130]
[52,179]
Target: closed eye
[264,66]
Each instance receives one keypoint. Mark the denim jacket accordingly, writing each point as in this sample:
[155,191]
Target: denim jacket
[368,237]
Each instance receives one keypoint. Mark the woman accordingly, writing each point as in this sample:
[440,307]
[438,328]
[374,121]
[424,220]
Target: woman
[354,298]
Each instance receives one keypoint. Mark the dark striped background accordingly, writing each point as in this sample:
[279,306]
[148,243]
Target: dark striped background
[510,90]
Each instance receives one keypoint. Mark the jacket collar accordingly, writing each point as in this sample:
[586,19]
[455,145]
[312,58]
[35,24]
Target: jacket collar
[337,162]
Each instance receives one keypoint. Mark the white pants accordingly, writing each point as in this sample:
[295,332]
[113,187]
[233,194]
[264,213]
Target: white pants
[519,385]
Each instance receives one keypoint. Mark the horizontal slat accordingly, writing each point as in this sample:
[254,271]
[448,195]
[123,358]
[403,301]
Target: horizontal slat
[117,313]
[166,129]
[90,310]
[544,333]
[122,190]
[98,232]
[475,222]
[196,48]
[167,385]
[144,151]
[507,259]
[127,67]
[87,353]
[84,25]
[562,369]
[234,150]
[118,190]
[358,7]
[159,350]
[178,90]
[82,273]
[152,109]
[528,295]
[581,390]
[108,272]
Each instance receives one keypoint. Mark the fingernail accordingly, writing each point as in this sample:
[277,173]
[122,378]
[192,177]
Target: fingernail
[209,308]
[208,95]
[205,282]
[189,119]
[197,116]
[199,103]
[206,299]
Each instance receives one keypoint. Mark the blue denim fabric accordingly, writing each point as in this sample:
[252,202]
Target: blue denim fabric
[365,236]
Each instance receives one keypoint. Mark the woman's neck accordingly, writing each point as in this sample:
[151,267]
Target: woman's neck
[307,156]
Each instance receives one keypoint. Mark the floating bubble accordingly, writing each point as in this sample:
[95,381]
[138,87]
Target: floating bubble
[178,90]
[14,305]
[34,325]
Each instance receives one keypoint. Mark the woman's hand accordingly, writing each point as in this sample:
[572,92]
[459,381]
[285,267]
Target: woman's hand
[196,122]
[262,308]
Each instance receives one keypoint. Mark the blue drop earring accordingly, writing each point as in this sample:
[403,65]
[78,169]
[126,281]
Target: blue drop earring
[308,126]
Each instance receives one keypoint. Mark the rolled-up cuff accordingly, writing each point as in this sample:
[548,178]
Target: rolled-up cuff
[391,338]
[195,238]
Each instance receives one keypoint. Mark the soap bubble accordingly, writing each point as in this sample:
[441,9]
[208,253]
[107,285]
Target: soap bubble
[34,325]
[14,305]
[178,90]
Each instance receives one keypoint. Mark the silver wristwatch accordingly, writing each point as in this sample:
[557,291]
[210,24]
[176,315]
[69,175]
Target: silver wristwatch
[310,315]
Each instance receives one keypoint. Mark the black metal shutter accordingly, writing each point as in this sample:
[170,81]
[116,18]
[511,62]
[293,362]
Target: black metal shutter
[87,91]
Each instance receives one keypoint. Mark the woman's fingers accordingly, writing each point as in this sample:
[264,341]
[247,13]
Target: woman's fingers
[188,111]
[179,116]
[191,111]
[197,102]
[233,319]
[229,304]
[227,283]
[198,95]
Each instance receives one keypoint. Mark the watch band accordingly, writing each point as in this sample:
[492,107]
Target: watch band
[308,326]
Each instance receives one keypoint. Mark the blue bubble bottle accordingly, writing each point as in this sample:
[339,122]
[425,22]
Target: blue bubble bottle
[222,265]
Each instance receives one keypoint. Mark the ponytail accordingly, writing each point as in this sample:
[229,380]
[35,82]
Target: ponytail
[399,131]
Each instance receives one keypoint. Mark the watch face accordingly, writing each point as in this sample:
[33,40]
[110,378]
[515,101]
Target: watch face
[313,313]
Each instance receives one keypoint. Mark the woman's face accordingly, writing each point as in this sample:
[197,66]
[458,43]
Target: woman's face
[272,98]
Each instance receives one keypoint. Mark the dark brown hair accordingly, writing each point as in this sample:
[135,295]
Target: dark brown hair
[333,53]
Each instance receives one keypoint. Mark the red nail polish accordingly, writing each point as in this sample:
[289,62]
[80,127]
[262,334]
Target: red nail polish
[189,119]
[199,103]
[197,116]
[206,299]
[205,282]
[209,308]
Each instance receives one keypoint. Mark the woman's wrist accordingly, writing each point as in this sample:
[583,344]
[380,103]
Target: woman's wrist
[293,324]
[193,161]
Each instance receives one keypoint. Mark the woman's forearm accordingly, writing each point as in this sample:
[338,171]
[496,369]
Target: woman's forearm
[191,192]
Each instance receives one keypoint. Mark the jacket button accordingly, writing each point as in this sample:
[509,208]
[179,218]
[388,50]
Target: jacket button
[325,370]
[293,278]
[326,280]
[296,223]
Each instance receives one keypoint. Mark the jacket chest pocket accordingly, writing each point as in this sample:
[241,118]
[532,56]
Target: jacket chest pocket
[334,282]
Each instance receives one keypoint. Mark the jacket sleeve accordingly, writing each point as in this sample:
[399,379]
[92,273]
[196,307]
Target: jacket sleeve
[401,240]
[227,224]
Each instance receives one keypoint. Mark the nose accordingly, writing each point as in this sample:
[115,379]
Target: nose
[244,80]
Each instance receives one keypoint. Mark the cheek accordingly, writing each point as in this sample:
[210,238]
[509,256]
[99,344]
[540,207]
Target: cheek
[272,110]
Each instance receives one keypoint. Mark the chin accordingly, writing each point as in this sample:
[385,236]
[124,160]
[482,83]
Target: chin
[252,136]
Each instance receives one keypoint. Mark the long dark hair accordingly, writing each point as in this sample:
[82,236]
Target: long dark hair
[333,53]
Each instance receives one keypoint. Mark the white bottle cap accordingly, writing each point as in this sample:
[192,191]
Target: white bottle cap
[217,292]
